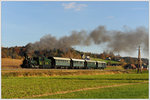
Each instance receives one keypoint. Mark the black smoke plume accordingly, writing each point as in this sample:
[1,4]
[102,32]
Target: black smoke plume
[117,41]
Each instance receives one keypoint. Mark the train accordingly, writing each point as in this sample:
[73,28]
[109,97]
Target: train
[61,63]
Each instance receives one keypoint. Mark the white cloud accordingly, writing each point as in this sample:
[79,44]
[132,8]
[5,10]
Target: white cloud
[73,5]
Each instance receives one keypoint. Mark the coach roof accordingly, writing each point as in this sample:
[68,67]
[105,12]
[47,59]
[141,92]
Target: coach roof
[90,61]
[78,60]
[59,58]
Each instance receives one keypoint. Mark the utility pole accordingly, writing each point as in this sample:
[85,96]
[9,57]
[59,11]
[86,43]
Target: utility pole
[139,62]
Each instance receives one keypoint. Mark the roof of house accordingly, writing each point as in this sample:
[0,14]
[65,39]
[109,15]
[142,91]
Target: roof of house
[133,65]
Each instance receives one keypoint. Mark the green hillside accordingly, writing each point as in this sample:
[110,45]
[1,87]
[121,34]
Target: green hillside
[111,61]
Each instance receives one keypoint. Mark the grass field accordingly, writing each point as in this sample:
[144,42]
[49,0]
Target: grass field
[43,87]
[114,68]
[120,92]
[111,61]
[113,82]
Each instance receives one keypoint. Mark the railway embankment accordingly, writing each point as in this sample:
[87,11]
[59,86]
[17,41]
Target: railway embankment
[56,72]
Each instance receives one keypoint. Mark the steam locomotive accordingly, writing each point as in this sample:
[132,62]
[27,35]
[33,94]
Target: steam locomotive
[61,63]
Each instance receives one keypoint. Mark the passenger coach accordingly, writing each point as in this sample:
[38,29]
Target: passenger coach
[89,64]
[58,62]
[101,64]
[78,63]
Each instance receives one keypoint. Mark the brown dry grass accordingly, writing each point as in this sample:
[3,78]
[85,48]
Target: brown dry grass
[114,68]
[54,72]
[11,63]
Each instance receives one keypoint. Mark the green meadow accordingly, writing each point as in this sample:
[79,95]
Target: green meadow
[111,61]
[121,92]
[120,85]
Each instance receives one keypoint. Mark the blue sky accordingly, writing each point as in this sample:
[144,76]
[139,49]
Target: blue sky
[24,22]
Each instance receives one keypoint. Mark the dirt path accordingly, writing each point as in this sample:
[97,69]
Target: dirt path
[83,89]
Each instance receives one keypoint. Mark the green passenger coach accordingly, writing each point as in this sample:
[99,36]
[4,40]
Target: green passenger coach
[90,64]
[77,63]
[101,64]
[58,62]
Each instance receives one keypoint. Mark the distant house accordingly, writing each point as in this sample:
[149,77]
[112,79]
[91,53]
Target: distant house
[130,66]
[144,66]
[108,58]
[133,66]
[87,57]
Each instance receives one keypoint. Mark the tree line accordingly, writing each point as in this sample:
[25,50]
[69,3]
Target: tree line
[19,53]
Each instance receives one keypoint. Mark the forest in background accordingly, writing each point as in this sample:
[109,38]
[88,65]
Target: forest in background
[19,53]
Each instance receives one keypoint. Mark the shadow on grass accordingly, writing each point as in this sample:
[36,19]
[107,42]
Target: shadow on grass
[100,78]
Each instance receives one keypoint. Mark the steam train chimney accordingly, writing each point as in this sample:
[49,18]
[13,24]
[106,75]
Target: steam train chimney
[139,61]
